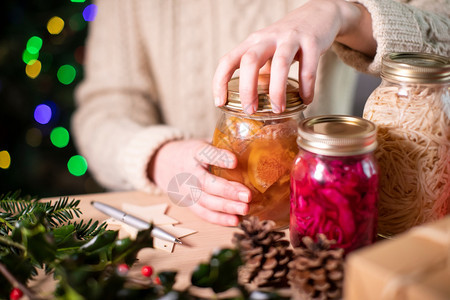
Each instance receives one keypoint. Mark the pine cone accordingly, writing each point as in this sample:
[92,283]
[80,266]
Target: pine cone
[316,271]
[265,254]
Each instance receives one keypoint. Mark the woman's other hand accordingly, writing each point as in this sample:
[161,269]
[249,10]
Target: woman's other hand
[220,201]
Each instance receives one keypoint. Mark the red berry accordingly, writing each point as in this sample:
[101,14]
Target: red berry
[147,271]
[157,280]
[15,294]
[123,269]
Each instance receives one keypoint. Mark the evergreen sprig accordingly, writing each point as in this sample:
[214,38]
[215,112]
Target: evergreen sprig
[88,229]
[62,210]
[14,207]
[14,203]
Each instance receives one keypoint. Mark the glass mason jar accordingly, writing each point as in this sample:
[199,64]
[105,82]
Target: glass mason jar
[411,108]
[265,146]
[334,182]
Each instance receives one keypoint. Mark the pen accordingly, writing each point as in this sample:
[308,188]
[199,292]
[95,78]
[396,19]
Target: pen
[134,221]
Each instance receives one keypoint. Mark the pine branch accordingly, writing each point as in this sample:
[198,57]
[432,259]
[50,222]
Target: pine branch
[15,204]
[6,220]
[8,242]
[15,207]
[89,229]
[62,211]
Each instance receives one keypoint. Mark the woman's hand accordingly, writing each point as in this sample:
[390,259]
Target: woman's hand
[303,35]
[221,201]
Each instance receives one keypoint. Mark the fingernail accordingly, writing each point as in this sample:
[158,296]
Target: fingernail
[233,222]
[242,210]
[276,109]
[255,107]
[243,196]
[217,101]
[249,110]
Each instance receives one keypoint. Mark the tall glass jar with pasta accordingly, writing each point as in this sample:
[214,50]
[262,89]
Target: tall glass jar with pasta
[411,108]
[265,146]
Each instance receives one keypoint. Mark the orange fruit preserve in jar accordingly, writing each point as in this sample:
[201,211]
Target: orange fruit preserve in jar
[265,146]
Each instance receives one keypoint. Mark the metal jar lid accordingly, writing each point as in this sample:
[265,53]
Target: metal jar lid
[293,100]
[337,135]
[416,67]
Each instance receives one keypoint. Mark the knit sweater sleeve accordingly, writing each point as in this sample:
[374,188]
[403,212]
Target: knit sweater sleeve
[415,26]
[117,125]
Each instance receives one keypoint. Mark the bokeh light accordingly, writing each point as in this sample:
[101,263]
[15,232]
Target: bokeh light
[66,74]
[34,44]
[78,1]
[59,137]
[90,12]
[76,22]
[33,69]
[42,113]
[77,165]
[55,109]
[5,159]
[29,58]
[79,55]
[33,137]
[55,25]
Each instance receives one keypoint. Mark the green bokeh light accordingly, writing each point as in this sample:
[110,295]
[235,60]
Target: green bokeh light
[77,22]
[34,44]
[77,165]
[66,74]
[28,57]
[78,1]
[60,137]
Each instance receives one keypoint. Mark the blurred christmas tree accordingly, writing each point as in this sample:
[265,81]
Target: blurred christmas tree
[41,57]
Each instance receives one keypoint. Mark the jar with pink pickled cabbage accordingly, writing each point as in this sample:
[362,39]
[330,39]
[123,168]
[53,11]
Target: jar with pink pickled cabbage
[334,182]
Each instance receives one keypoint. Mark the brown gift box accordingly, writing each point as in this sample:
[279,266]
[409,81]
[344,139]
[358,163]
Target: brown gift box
[411,266]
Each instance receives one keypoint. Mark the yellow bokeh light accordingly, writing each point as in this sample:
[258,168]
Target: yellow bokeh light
[5,159]
[33,70]
[55,25]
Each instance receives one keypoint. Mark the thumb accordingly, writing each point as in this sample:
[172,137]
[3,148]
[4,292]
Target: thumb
[207,154]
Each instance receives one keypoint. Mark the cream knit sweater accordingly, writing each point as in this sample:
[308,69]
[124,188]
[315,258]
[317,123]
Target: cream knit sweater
[150,63]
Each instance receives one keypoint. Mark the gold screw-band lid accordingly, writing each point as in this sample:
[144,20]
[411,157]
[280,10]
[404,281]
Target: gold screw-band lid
[416,67]
[293,100]
[337,135]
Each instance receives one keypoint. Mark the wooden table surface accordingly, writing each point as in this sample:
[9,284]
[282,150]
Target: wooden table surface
[183,259]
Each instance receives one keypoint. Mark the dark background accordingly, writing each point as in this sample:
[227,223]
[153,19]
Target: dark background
[38,167]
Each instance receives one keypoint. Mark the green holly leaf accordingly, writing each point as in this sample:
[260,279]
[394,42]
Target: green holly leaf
[121,246]
[100,242]
[220,273]
[201,276]
[167,279]
[126,250]
[88,282]
[91,271]
[35,236]
[66,239]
